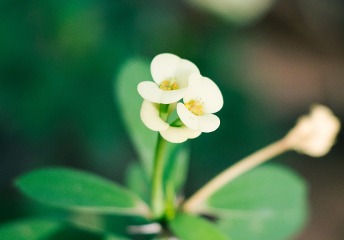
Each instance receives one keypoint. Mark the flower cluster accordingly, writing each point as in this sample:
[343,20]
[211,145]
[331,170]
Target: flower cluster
[177,79]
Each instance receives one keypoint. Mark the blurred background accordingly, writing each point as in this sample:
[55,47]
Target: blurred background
[271,58]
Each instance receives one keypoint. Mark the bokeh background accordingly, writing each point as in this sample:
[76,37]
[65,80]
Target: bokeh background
[271,58]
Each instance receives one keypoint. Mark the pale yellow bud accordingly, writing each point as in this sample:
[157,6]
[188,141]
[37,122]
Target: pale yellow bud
[314,134]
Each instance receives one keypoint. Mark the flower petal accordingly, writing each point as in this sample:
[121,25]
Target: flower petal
[151,92]
[203,88]
[150,116]
[164,66]
[173,96]
[193,133]
[183,72]
[208,122]
[187,117]
[179,134]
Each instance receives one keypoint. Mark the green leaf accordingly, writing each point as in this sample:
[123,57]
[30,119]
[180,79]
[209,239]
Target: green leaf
[111,225]
[177,164]
[29,229]
[266,203]
[175,172]
[113,237]
[189,227]
[137,181]
[80,191]
[144,139]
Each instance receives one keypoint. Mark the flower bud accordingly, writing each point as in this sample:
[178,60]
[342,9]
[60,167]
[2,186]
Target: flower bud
[314,134]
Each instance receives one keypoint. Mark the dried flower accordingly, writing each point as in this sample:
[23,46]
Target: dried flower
[314,134]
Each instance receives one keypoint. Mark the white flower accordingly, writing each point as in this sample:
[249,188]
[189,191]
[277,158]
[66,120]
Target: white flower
[150,117]
[179,134]
[170,74]
[202,99]
[315,133]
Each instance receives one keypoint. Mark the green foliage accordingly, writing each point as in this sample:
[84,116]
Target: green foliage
[137,181]
[176,168]
[130,101]
[48,229]
[174,175]
[189,227]
[115,238]
[266,203]
[79,190]
[113,226]
[29,229]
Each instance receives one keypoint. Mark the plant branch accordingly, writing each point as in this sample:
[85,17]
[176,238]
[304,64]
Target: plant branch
[157,199]
[193,204]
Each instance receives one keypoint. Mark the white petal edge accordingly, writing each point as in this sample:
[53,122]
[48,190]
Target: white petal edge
[167,97]
[150,116]
[203,88]
[179,134]
[164,66]
[188,118]
[151,92]
[208,122]
[193,133]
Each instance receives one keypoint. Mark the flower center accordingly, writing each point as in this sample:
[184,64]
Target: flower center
[195,106]
[169,84]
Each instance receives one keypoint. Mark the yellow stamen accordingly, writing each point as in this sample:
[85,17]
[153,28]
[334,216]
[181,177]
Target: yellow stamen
[195,106]
[169,84]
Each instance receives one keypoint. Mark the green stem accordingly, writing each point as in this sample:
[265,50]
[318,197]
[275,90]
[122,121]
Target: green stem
[157,194]
[164,111]
[177,123]
[157,188]
[170,200]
